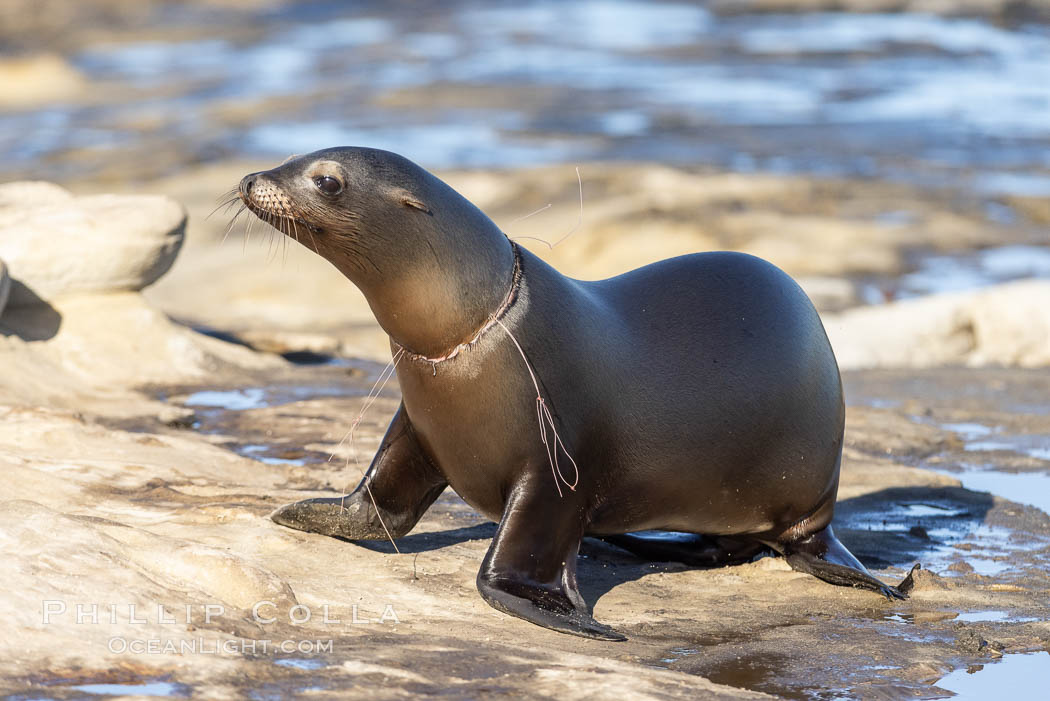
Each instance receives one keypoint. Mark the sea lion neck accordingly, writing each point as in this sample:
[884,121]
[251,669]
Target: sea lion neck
[494,318]
[439,274]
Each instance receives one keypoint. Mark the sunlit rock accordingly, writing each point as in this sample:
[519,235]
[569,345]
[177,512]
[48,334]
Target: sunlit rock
[57,244]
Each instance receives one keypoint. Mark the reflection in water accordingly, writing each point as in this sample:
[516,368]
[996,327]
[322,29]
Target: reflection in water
[1024,676]
[950,273]
[1032,488]
[232,400]
[143,689]
[992,617]
[274,395]
[300,663]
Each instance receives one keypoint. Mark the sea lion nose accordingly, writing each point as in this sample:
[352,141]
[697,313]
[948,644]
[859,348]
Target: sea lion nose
[247,183]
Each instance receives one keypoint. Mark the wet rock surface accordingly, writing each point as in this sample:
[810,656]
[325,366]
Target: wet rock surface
[144,458]
[175,512]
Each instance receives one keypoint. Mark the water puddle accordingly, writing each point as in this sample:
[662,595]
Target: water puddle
[1022,676]
[939,273]
[986,549]
[818,92]
[157,688]
[969,430]
[300,663]
[1027,487]
[281,437]
[1034,446]
[1007,183]
[262,397]
[921,510]
[1030,488]
[765,673]
[992,617]
[906,619]
[678,653]
[947,536]
[231,400]
[263,453]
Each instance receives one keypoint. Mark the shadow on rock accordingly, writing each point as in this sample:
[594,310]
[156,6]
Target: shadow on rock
[894,527]
[890,528]
[899,526]
[425,542]
[32,319]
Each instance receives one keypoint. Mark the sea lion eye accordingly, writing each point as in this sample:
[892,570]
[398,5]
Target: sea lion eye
[328,185]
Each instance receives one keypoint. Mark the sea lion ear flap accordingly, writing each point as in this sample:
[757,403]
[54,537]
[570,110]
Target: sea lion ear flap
[409,200]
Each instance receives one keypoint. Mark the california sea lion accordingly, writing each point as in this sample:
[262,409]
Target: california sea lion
[698,394]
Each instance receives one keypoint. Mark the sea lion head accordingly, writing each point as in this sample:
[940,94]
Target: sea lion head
[419,251]
[338,200]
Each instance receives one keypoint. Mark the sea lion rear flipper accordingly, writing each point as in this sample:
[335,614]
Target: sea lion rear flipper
[823,556]
[530,568]
[401,482]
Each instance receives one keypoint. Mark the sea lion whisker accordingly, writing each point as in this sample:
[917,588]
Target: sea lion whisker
[283,243]
[358,256]
[247,234]
[275,244]
[309,230]
[270,255]
[224,205]
[274,250]
[232,192]
[233,220]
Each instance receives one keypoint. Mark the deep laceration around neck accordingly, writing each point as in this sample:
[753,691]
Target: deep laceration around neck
[441,274]
[513,284]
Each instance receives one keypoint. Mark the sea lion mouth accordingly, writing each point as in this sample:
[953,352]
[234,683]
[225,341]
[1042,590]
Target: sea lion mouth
[269,203]
[286,223]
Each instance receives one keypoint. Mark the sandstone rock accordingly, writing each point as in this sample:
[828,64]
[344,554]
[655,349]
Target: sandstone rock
[33,80]
[5,286]
[112,341]
[1006,324]
[830,293]
[56,244]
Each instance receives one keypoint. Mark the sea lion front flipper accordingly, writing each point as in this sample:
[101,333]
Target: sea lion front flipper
[530,568]
[823,556]
[401,481]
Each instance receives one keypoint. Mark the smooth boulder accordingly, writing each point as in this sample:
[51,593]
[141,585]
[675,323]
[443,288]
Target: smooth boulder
[1007,324]
[57,244]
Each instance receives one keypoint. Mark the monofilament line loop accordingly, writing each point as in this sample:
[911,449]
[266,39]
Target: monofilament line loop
[545,419]
[377,388]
